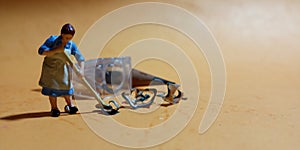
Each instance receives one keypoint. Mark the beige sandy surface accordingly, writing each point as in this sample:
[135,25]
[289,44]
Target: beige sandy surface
[259,41]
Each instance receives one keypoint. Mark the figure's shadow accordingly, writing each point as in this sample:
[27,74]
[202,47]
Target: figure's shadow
[26,116]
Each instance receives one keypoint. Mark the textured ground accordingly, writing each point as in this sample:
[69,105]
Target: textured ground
[260,43]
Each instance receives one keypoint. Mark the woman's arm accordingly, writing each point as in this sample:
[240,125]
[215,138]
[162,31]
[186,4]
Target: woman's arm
[48,48]
[58,49]
[54,51]
[79,57]
[81,65]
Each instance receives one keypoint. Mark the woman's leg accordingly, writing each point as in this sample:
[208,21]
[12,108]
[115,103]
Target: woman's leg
[54,109]
[68,99]
[53,102]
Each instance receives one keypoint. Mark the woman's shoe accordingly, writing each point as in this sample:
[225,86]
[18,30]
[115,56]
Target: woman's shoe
[71,109]
[55,112]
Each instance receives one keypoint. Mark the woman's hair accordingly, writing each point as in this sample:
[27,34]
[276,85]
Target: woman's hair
[67,29]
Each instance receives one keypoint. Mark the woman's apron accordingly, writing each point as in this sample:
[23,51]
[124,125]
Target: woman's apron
[56,73]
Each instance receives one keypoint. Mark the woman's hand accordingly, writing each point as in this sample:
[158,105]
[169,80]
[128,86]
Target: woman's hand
[81,65]
[60,48]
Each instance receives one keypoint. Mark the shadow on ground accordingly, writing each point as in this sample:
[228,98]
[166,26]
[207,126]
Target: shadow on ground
[26,116]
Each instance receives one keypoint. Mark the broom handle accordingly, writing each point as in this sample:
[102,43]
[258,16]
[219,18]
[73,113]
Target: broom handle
[77,71]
